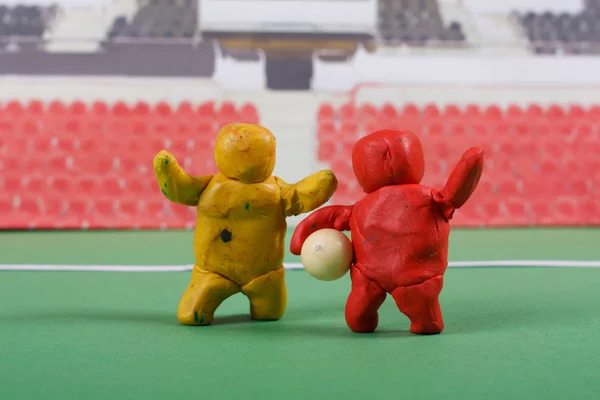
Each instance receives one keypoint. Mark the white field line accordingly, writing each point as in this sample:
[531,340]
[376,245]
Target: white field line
[289,266]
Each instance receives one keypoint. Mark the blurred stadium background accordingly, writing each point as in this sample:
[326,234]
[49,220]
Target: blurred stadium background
[90,91]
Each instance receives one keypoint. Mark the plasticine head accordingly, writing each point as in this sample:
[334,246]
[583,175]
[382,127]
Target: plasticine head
[245,152]
[388,157]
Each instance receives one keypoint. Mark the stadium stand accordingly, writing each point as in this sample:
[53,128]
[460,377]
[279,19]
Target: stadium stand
[415,22]
[158,20]
[23,24]
[88,165]
[551,33]
[165,38]
[78,165]
[150,39]
[541,163]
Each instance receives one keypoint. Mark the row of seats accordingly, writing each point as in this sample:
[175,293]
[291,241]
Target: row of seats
[56,169]
[415,22]
[35,125]
[541,162]
[529,113]
[412,22]
[551,33]
[158,20]
[15,110]
[55,176]
[23,20]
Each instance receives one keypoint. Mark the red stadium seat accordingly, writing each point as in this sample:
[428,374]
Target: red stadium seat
[389,113]
[14,108]
[248,114]
[514,112]
[99,108]
[593,113]
[57,107]
[517,210]
[53,205]
[185,108]
[451,111]
[35,107]
[457,131]
[129,207]
[326,113]
[35,184]
[326,130]
[120,109]
[566,211]
[493,113]
[367,113]
[141,108]
[410,111]
[78,108]
[589,210]
[555,111]
[326,149]
[6,207]
[227,114]
[472,112]
[347,113]
[207,110]
[163,110]
[431,112]
[433,130]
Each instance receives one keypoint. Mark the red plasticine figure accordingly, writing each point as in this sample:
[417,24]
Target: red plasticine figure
[399,229]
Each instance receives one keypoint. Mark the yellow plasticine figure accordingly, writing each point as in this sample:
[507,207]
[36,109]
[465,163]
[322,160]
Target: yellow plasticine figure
[240,228]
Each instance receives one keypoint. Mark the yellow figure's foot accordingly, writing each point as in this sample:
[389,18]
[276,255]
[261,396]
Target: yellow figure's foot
[203,296]
[267,295]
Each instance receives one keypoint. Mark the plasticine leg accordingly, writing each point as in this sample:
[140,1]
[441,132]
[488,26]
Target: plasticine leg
[267,295]
[421,305]
[363,302]
[203,295]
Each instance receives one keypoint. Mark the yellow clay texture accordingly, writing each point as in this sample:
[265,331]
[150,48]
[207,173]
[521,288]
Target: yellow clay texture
[241,223]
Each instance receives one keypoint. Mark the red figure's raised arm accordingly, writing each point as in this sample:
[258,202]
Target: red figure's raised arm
[332,217]
[461,183]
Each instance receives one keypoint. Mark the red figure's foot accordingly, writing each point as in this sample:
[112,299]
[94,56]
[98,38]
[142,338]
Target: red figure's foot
[421,305]
[365,299]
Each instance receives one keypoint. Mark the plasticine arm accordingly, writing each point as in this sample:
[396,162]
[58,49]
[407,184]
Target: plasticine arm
[332,217]
[461,183]
[177,185]
[308,194]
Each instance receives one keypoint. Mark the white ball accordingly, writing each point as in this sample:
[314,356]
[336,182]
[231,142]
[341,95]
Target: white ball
[327,254]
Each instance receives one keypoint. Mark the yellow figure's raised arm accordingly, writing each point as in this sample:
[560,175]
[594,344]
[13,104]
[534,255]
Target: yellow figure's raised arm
[308,194]
[176,184]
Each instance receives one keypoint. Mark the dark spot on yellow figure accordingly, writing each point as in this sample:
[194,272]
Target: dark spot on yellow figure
[200,321]
[166,160]
[247,206]
[163,191]
[226,236]
[165,184]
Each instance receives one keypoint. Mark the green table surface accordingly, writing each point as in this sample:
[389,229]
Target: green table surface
[511,333]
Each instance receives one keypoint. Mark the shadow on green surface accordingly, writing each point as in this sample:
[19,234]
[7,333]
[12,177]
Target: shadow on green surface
[303,322]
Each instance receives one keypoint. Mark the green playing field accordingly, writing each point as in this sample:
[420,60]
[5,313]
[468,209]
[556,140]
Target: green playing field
[511,333]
